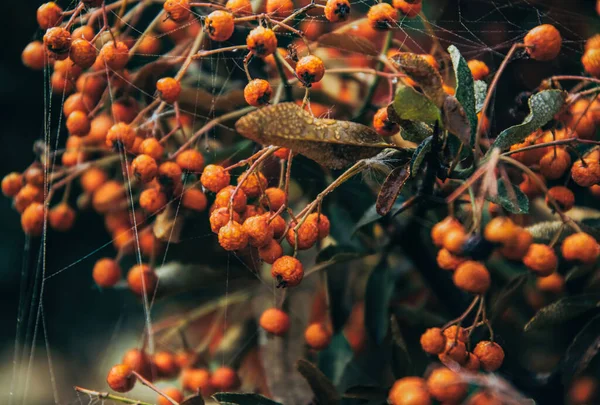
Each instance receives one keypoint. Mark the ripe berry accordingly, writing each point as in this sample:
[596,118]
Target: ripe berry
[321,222]
[196,379]
[554,283]
[317,336]
[165,364]
[543,42]
[115,57]
[83,32]
[562,196]
[580,247]
[433,341]
[168,89]
[81,102]
[152,148]
[439,230]
[517,247]
[409,391]
[472,277]
[61,217]
[275,198]
[490,355]
[82,53]
[239,6]
[144,167]
[258,229]
[280,8]
[257,92]
[484,398]
[530,187]
[337,10]
[78,123]
[275,321]
[448,261]
[282,153]
[108,196]
[454,241]
[173,393]
[169,175]
[303,238]
[142,278]
[225,379]
[120,135]
[34,175]
[408,8]
[32,219]
[383,125]
[382,16]
[219,25]
[220,217]
[125,109]
[453,334]
[194,199]
[500,230]
[541,259]
[254,184]
[232,236]
[223,198]
[120,378]
[270,251]
[446,386]
[215,178]
[177,10]
[478,69]
[152,200]
[34,55]
[261,41]
[555,163]
[454,352]
[586,172]
[472,363]
[190,160]
[48,15]
[27,195]
[288,271]
[58,41]
[11,184]
[591,62]
[310,69]
[279,226]
[106,272]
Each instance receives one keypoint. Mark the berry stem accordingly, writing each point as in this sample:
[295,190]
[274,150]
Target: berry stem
[457,321]
[153,387]
[106,395]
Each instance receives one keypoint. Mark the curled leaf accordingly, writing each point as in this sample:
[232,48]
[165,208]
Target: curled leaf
[419,155]
[428,79]
[456,120]
[391,188]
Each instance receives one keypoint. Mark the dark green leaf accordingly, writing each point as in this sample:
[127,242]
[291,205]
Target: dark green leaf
[369,393]
[391,188]
[371,214]
[582,350]
[480,93]
[401,360]
[563,310]
[410,105]
[542,108]
[513,199]
[193,400]
[333,255]
[505,295]
[380,287]
[465,89]
[419,155]
[324,390]
[243,399]
[334,359]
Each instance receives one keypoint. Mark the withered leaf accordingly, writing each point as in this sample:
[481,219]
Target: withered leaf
[331,143]
[347,42]
[167,227]
[391,188]
[418,69]
[456,120]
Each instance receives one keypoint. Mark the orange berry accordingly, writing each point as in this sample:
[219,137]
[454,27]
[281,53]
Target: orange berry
[321,222]
[408,8]
[253,185]
[223,198]
[282,153]
[34,55]
[149,244]
[61,217]
[490,355]
[142,278]
[382,16]
[108,196]
[11,184]
[280,8]
[152,148]
[452,334]
[288,271]
[555,163]
[310,69]
[500,230]
[91,86]
[517,247]
[478,69]
[591,62]
[530,187]
[225,379]
[168,89]
[454,240]
[173,393]
[448,261]
[586,172]
[275,321]
[275,198]
[303,238]
[83,32]
[194,199]
[258,229]
[152,200]
[82,53]
[317,336]
[543,42]
[541,259]
[409,391]
[177,10]
[554,283]
[580,247]
[32,219]
[270,252]
[232,236]
[562,196]
[57,41]
[261,41]
[220,217]
[48,15]
[115,57]
[433,341]
[106,272]
[145,168]
[257,92]
[139,362]
[472,363]
[337,10]
[239,6]
[190,160]
[472,277]
[169,175]
[454,352]
[27,195]
[279,226]
[165,364]
[219,25]
[120,378]
[124,110]
[80,102]
[383,125]
[446,386]
[78,123]
[214,178]
[583,389]
[196,379]
[120,135]
[484,398]
[34,175]
[439,230]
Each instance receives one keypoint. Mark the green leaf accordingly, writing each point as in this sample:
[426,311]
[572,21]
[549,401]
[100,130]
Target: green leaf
[542,108]
[414,131]
[243,399]
[401,360]
[334,359]
[367,392]
[419,155]
[465,88]
[505,296]
[193,400]
[563,310]
[371,214]
[324,390]
[410,105]
[582,350]
[480,93]
[513,200]
[379,291]
[332,255]
[426,76]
